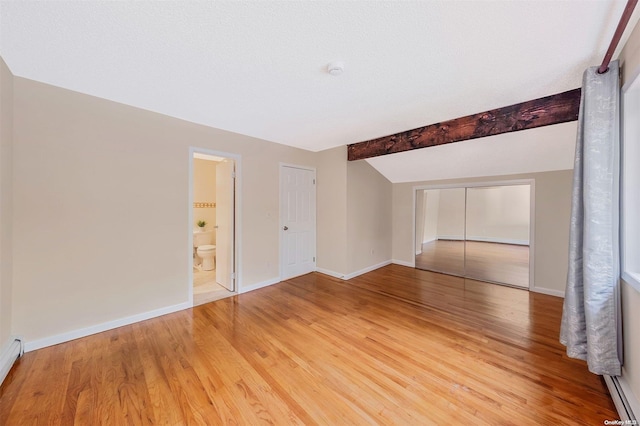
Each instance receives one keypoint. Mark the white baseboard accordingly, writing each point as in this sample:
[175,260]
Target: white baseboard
[450,238]
[330,273]
[403,263]
[11,351]
[549,291]
[365,270]
[626,403]
[259,285]
[499,240]
[418,252]
[109,325]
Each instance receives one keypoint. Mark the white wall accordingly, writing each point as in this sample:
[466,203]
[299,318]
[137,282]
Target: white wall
[421,219]
[552,213]
[204,191]
[630,61]
[431,215]
[83,170]
[6,202]
[498,214]
[354,215]
[368,217]
[331,195]
[451,214]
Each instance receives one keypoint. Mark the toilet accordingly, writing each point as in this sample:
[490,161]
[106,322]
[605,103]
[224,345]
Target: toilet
[207,253]
[205,250]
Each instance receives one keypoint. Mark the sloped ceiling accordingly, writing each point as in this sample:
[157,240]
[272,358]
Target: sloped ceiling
[259,68]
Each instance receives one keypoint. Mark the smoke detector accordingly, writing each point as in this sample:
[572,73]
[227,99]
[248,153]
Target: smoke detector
[335,68]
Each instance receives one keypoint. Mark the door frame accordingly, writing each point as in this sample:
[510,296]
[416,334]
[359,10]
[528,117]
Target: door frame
[532,217]
[237,235]
[281,224]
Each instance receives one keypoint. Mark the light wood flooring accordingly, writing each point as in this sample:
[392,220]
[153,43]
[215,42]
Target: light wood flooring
[394,346]
[500,263]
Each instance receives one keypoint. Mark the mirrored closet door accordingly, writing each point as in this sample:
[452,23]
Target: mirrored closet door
[475,232]
[440,230]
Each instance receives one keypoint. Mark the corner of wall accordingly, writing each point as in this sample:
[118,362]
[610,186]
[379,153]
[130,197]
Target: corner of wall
[369,205]
[331,175]
[6,202]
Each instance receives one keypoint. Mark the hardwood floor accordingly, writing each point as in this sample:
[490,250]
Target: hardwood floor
[500,263]
[394,346]
[442,256]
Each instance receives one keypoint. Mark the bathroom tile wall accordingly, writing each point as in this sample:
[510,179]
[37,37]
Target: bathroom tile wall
[204,192]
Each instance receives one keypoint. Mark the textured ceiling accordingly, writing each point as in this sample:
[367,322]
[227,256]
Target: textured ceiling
[259,68]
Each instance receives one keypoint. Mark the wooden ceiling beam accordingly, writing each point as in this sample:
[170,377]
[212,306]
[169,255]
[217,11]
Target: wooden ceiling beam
[554,109]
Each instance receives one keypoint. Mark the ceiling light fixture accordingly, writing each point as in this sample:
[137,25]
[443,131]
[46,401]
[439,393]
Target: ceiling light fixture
[335,68]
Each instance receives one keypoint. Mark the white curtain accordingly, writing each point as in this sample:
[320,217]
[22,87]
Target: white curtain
[591,315]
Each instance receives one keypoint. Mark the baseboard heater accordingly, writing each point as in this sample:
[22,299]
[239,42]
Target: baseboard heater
[10,353]
[624,400]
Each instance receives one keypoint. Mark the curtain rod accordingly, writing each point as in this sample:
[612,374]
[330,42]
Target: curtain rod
[624,20]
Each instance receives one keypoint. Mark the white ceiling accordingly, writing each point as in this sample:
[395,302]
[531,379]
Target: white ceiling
[259,68]
[537,150]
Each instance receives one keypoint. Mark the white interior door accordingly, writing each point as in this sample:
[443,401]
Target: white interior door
[298,221]
[225,209]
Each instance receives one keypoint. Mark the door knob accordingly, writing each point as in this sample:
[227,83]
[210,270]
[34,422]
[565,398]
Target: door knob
[285,228]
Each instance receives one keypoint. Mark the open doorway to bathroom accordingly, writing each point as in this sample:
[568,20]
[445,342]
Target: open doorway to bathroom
[213,207]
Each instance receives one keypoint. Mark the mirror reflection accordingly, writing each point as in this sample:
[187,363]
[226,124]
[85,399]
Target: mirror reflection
[480,232]
[440,230]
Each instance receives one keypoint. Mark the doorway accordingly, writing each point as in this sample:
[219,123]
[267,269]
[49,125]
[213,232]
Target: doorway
[297,221]
[482,231]
[213,225]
